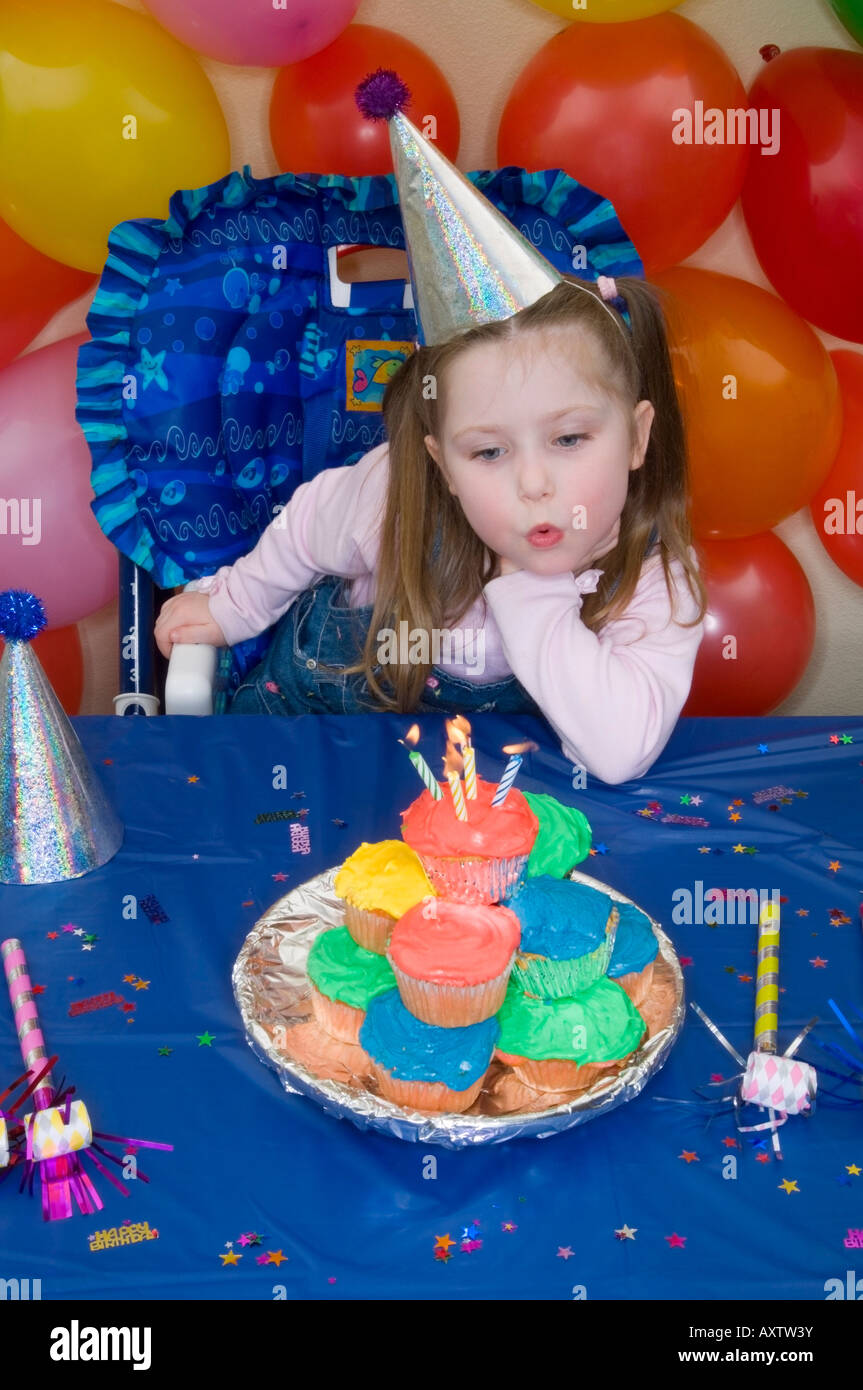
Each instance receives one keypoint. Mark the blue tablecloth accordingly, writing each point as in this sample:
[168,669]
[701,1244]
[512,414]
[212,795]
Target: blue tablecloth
[258,1175]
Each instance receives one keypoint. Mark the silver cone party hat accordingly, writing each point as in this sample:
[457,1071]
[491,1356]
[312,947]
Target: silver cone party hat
[468,264]
[55,820]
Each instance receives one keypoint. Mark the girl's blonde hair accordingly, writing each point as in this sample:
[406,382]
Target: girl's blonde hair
[432,566]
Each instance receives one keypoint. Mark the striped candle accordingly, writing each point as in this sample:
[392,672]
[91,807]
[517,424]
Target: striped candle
[457,794]
[469,756]
[510,773]
[767,980]
[30,1039]
[426,773]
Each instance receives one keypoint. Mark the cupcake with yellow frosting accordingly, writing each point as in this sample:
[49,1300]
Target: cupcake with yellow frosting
[379,883]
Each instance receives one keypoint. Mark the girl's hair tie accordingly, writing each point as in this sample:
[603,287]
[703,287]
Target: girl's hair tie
[607,287]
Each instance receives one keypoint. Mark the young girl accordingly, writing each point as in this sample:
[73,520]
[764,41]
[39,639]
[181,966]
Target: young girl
[525,523]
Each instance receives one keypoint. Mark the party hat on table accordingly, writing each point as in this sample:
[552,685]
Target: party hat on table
[55,820]
[468,264]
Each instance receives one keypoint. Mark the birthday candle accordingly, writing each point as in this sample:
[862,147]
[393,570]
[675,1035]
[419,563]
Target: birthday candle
[469,756]
[457,794]
[510,773]
[767,980]
[426,773]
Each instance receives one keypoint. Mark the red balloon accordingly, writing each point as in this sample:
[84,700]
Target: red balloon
[837,509]
[759,630]
[32,289]
[59,652]
[804,205]
[601,102]
[315,125]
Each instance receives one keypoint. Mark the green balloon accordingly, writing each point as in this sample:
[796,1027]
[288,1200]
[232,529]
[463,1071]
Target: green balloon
[851,14]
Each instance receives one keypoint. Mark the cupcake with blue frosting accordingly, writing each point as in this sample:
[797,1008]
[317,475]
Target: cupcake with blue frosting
[634,954]
[567,935]
[421,1066]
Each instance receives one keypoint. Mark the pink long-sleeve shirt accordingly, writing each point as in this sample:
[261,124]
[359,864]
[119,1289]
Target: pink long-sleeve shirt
[613,698]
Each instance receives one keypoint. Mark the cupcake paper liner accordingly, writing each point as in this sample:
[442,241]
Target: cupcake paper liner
[425,1095]
[452,1006]
[475,880]
[637,984]
[563,1074]
[370,929]
[341,1021]
[561,979]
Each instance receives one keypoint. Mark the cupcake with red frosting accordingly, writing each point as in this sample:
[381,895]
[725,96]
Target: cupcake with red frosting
[452,960]
[478,860]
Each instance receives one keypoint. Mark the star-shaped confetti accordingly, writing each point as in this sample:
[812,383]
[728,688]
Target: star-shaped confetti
[564,1252]
[275,1257]
[747,979]
[142,984]
[468,1246]
[38,989]
[165,1051]
[685,960]
[443,1242]
[703,849]
[834,865]
[52,935]
[762,1158]
[232,1258]
[763,748]
[262,1259]
[818,962]
[729,1141]
[789,1185]
[193,779]
[280,877]
[853,1170]
[508,1226]
[690,1155]
[695,800]
[69,926]
[675,1241]
[205,1039]
[626,1232]
[442,1255]
[685,799]
[129,979]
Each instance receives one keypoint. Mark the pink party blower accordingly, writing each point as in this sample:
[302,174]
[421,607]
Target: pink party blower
[58,1132]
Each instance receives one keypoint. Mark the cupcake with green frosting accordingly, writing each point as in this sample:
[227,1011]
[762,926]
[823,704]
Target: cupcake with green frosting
[567,935]
[563,839]
[568,1044]
[345,978]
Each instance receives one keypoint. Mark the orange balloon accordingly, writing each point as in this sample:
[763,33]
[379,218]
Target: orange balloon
[760,398]
[315,125]
[32,289]
[837,508]
[59,652]
[759,630]
[601,102]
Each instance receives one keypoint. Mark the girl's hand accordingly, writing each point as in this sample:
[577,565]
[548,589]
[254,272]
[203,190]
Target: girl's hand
[186,618]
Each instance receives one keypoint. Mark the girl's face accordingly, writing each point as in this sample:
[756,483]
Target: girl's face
[538,456]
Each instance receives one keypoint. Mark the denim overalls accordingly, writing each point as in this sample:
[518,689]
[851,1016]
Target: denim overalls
[320,630]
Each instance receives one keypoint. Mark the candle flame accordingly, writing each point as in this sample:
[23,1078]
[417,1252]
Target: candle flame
[412,737]
[453,761]
[527,747]
[458,730]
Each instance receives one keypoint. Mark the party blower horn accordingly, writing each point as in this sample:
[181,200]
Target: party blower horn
[58,1132]
[55,821]
[778,1084]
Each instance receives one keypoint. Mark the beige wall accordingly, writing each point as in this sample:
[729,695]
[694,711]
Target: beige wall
[481,46]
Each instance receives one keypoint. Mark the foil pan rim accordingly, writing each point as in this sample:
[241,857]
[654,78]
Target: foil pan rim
[297,917]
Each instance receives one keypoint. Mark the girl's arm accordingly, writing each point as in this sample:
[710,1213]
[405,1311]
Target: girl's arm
[329,527]
[613,698]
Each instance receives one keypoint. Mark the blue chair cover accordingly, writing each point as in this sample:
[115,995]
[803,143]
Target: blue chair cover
[223,371]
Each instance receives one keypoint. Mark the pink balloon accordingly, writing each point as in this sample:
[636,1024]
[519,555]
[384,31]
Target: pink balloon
[255,33]
[50,541]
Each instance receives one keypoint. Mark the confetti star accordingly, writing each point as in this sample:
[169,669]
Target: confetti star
[695,800]
[834,738]
[193,779]
[108,762]
[716,1076]
[443,1242]
[468,1246]
[52,935]
[142,984]
[685,960]
[853,1170]
[165,1051]
[205,1039]
[750,849]
[675,1241]
[730,1142]
[685,799]
[508,1226]
[88,946]
[77,931]
[763,748]
[747,979]
[243,1240]
[442,1255]
[232,1258]
[280,877]
[69,926]
[229,1244]
[730,970]
[129,979]
[254,1238]
[739,849]
[790,1185]
[834,865]
[564,1252]
[762,1158]
[690,1155]
[127,1008]
[703,849]
[818,962]
[803,912]
[645,812]
[626,1232]
[735,815]
[602,848]
[846,738]
[275,1257]
[38,989]
[90,936]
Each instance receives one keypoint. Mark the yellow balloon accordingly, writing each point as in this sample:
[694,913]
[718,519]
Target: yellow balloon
[103,116]
[607,11]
